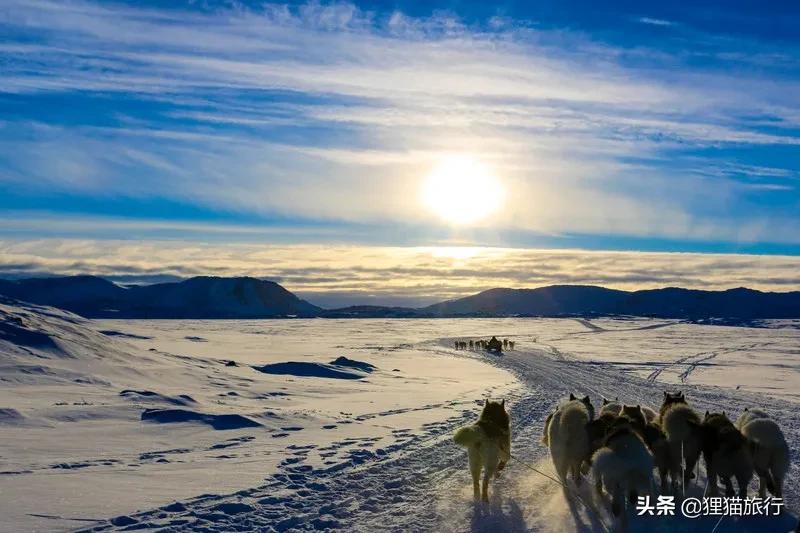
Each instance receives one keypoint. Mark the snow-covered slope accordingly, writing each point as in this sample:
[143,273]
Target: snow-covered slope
[99,419]
[176,425]
[422,483]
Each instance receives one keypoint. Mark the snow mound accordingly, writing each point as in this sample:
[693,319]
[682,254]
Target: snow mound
[16,330]
[352,363]
[10,417]
[218,422]
[31,331]
[148,395]
[340,368]
[115,333]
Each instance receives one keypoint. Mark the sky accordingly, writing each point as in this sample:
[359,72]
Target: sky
[631,144]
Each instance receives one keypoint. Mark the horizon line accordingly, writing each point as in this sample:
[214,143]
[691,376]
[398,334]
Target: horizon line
[303,295]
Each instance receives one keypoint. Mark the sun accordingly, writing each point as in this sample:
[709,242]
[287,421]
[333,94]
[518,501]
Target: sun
[462,190]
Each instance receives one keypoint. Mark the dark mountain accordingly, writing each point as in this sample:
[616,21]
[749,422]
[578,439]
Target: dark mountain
[213,297]
[200,297]
[553,300]
[80,294]
[741,304]
[738,303]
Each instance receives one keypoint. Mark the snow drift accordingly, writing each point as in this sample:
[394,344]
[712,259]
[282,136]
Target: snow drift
[340,368]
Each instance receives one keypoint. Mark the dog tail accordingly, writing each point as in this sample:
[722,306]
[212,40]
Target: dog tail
[762,466]
[467,436]
[546,430]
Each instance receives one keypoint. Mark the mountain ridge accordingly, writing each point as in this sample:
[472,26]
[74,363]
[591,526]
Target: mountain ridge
[197,297]
[248,297]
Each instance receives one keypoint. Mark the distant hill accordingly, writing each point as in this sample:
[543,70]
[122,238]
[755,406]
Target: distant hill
[199,297]
[244,297]
[79,294]
[553,300]
[742,304]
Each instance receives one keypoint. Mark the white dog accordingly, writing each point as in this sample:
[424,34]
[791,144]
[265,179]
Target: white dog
[568,438]
[748,415]
[624,466]
[769,450]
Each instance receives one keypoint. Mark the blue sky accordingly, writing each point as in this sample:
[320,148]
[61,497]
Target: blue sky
[629,126]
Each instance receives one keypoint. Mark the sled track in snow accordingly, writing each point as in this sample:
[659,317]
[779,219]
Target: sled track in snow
[698,359]
[423,484]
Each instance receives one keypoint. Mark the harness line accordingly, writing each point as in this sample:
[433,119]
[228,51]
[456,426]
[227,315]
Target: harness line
[566,488]
[718,523]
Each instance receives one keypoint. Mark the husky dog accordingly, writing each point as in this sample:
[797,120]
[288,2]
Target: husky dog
[567,436]
[658,445]
[611,406]
[726,453]
[599,428]
[649,414]
[637,419]
[748,415]
[488,444]
[634,415]
[769,450]
[511,345]
[670,400]
[623,465]
[545,432]
[681,424]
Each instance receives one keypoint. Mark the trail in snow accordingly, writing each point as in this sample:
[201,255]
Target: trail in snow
[422,484]
[698,359]
[594,328]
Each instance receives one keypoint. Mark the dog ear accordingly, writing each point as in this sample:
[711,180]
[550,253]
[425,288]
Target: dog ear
[680,395]
[707,413]
[571,396]
[586,399]
[665,394]
[746,409]
[605,401]
[503,403]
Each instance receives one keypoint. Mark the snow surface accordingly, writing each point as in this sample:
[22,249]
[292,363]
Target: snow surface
[170,425]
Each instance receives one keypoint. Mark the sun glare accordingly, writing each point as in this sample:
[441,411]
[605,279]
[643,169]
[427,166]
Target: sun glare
[462,190]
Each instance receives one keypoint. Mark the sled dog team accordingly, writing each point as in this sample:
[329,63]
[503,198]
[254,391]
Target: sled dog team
[480,344]
[624,444]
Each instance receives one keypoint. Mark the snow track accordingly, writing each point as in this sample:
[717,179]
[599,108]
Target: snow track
[421,483]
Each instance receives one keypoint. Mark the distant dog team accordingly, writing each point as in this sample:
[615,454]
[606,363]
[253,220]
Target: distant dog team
[482,344]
